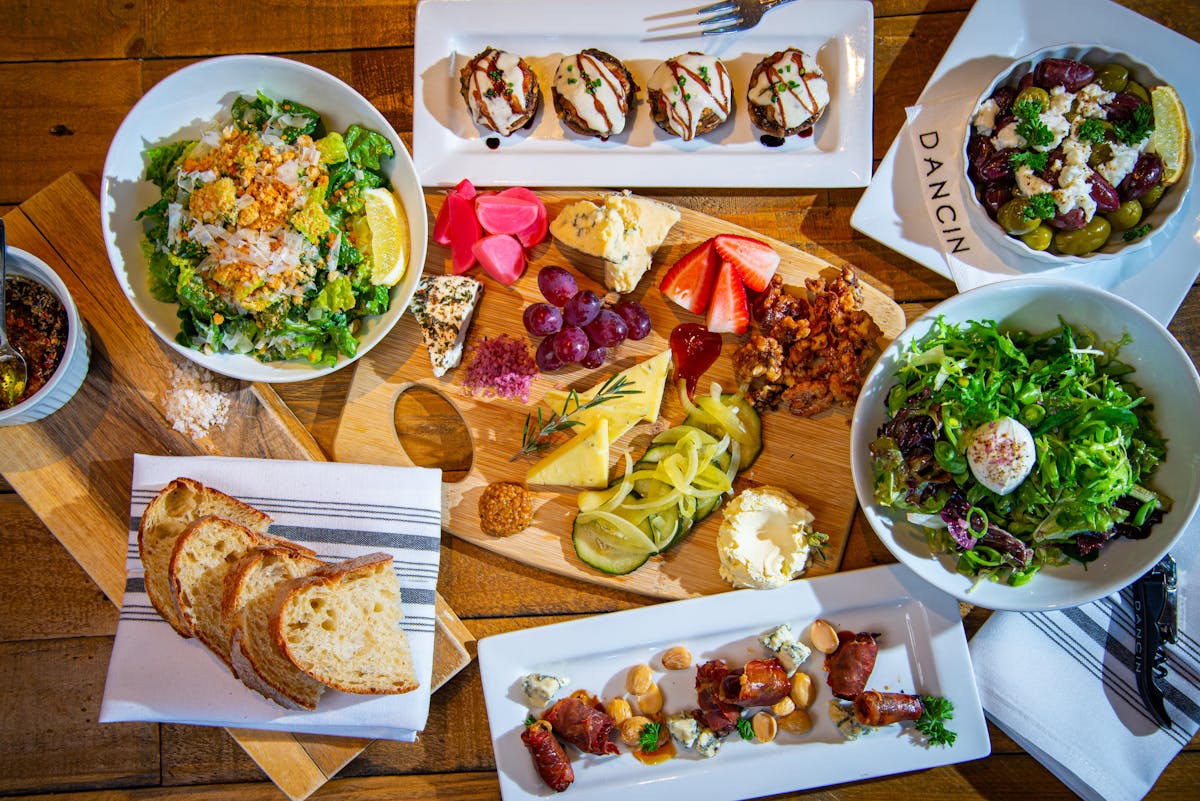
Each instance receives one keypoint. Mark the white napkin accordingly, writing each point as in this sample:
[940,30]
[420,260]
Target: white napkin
[1061,684]
[338,510]
[968,242]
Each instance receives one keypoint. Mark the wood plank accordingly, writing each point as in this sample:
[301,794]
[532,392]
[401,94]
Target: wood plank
[368,427]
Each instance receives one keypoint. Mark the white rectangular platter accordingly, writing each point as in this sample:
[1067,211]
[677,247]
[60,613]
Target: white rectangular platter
[922,648]
[448,146]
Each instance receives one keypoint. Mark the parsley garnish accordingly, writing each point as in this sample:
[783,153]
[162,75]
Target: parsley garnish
[1040,207]
[745,728]
[1091,131]
[533,439]
[1136,233]
[1030,125]
[1134,130]
[1029,158]
[648,739]
[931,723]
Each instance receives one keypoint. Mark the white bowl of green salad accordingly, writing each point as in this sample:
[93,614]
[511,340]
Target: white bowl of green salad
[1030,444]
[255,210]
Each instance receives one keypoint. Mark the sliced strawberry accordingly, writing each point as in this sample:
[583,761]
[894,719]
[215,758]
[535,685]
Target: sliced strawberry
[690,280]
[464,232]
[754,261]
[536,232]
[501,256]
[728,313]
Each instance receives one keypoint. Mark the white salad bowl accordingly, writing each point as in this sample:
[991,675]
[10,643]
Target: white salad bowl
[1164,373]
[182,106]
[1161,218]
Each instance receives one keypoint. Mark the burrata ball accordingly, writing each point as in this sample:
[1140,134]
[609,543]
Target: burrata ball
[1001,454]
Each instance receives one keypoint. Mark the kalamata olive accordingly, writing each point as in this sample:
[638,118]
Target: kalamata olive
[1125,216]
[1013,220]
[1039,238]
[1054,162]
[1004,120]
[1103,193]
[1112,77]
[1085,239]
[1005,96]
[1142,178]
[1151,198]
[1137,90]
[1035,94]
[979,148]
[1068,73]
[994,195]
[1073,220]
[1026,81]
[1122,106]
[997,165]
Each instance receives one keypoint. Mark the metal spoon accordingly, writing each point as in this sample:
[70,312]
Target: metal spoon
[13,373]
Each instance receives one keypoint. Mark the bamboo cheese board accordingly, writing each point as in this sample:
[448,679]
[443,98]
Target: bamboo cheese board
[808,456]
[74,467]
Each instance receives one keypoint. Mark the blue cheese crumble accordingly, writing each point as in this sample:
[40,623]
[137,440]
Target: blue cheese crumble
[539,688]
[842,715]
[783,643]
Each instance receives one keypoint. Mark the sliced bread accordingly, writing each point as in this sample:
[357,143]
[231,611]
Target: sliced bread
[203,556]
[341,625]
[249,597]
[180,503]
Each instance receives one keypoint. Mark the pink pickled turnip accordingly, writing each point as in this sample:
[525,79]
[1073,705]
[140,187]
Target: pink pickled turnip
[501,256]
[441,226]
[465,188]
[505,215]
[536,232]
[464,232]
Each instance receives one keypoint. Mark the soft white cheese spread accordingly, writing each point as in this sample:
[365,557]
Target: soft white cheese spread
[763,540]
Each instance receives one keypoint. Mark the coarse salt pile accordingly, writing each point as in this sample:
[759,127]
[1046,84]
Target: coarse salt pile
[501,367]
[195,402]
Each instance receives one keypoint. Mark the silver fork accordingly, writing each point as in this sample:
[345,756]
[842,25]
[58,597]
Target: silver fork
[735,15]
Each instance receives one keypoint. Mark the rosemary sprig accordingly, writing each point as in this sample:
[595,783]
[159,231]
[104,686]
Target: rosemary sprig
[535,437]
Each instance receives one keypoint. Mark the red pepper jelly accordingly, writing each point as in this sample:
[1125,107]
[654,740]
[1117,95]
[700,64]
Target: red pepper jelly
[695,348]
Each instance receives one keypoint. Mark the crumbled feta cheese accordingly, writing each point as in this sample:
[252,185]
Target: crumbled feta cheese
[1075,191]
[1060,100]
[1007,138]
[539,688]
[1029,184]
[1123,158]
[985,117]
[1059,126]
[684,729]
[781,642]
[1092,99]
[1076,151]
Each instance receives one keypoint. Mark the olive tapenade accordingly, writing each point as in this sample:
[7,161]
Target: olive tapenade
[37,327]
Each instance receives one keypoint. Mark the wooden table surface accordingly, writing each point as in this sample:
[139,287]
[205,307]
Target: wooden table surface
[69,72]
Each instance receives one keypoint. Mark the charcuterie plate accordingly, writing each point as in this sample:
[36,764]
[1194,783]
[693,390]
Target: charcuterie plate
[809,456]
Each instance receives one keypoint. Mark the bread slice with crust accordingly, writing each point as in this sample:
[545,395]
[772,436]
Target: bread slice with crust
[341,625]
[180,503]
[204,553]
[249,597]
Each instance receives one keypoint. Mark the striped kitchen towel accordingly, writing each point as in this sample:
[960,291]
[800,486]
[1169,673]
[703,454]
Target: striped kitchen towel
[1061,684]
[339,511]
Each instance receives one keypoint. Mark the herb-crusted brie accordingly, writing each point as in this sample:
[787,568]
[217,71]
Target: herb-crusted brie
[443,306]
[781,642]
[539,688]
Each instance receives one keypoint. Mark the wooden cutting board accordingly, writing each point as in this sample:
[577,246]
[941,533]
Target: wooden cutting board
[808,456]
[74,468]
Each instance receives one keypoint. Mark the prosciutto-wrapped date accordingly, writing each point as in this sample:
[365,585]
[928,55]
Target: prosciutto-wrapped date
[548,756]
[873,708]
[582,726]
[851,664]
[719,716]
[761,682]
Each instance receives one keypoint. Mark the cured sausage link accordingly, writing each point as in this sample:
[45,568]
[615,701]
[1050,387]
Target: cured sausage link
[548,756]
[873,708]
[582,726]
[851,664]
[761,682]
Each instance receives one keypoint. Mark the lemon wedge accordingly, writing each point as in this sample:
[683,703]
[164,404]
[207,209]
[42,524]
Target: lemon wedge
[1170,137]
[389,244]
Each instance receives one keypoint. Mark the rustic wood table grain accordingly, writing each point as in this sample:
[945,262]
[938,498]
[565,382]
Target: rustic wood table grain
[69,72]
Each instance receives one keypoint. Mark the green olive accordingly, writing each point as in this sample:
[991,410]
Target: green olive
[1127,215]
[1083,240]
[1112,77]
[1100,154]
[1039,238]
[1151,198]
[1012,219]
[1136,89]
[1036,94]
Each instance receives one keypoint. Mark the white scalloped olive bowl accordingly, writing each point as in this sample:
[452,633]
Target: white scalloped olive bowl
[183,105]
[1162,370]
[1162,218]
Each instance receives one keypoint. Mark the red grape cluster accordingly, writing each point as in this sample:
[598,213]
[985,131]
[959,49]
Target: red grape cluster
[575,327]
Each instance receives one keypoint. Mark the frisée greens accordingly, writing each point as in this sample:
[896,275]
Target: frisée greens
[260,236]
[1095,444]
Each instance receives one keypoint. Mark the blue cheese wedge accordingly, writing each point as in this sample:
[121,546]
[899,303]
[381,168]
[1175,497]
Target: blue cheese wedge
[783,643]
[842,715]
[539,688]
[443,306]
[624,231]
[683,728]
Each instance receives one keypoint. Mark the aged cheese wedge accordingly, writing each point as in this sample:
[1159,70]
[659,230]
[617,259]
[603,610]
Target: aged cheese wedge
[649,376]
[581,462]
[624,232]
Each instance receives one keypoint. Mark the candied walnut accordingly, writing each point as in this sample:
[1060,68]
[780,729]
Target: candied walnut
[761,357]
[807,398]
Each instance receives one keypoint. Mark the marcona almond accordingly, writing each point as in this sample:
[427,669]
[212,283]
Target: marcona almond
[639,679]
[631,729]
[651,701]
[797,722]
[677,658]
[619,710]
[764,726]
[802,690]
[782,707]
[824,636]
